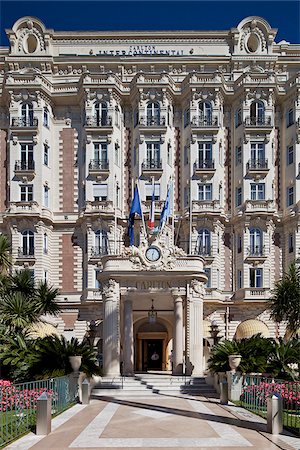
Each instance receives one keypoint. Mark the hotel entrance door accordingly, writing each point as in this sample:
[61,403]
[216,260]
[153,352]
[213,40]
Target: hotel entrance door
[152,354]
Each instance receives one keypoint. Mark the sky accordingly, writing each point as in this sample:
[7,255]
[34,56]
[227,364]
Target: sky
[153,15]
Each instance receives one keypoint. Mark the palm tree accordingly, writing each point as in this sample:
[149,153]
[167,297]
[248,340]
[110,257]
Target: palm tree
[284,304]
[5,259]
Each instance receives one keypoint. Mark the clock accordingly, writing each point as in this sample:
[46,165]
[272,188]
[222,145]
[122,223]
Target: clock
[153,254]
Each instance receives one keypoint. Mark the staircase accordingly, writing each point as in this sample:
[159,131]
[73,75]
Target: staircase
[148,384]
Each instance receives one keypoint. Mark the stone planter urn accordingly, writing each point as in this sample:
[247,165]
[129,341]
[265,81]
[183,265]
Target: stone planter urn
[75,362]
[234,362]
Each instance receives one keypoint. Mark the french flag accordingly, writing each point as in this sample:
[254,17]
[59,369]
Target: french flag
[152,211]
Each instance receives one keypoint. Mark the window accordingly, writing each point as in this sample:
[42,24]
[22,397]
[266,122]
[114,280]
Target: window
[27,115]
[26,192]
[117,154]
[186,196]
[238,117]
[205,113]
[290,154]
[153,113]
[256,278]
[26,162]
[135,155]
[45,243]
[46,196]
[153,155]
[27,243]
[101,114]
[169,154]
[239,243]
[207,271]
[100,192]
[97,282]
[100,154]
[257,191]
[101,243]
[186,155]
[291,242]
[117,116]
[203,242]
[239,279]
[205,192]
[256,242]
[290,196]
[290,117]
[118,195]
[46,117]
[186,117]
[257,154]
[205,154]
[238,155]
[136,117]
[149,191]
[45,276]
[238,196]
[257,113]
[46,155]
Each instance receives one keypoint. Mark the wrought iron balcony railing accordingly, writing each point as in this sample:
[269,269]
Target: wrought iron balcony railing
[99,251]
[24,165]
[203,250]
[204,164]
[21,122]
[150,164]
[94,121]
[256,250]
[253,164]
[24,252]
[258,121]
[98,164]
[206,121]
[152,121]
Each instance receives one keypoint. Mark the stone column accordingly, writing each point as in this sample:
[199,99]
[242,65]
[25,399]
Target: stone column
[178,333]
[128,338]
[196,327]
[111,332]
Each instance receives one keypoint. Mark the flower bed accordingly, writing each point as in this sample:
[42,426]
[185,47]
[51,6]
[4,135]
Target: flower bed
[13,397]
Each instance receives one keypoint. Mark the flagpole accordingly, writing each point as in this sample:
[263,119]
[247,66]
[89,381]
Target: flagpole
[115,218]
[191,208]
[173,210]
[143,219]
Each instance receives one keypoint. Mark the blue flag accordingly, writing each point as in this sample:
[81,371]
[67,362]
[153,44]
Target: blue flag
[136,208]
[166,211]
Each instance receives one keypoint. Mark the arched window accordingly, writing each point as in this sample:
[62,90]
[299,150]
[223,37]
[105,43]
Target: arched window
[205,113]
[203,242]
[257,113]
[153,113]
[256,242]
[27,243]
[101,243]
[46,117]
[27,114]
[101,114]
[45,243]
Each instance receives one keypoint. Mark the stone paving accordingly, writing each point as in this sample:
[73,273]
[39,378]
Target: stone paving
[156,422]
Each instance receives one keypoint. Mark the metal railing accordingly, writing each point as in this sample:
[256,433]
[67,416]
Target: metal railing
[258,121]
[99,251]
[257,389]
[18,403]
[201,250]
[204,164]
[98,164]
[21,122]
[94,121]
[152,121]
[25,252]
[24,165]
[256,250]
[209,121]
[257,164]
[149,164]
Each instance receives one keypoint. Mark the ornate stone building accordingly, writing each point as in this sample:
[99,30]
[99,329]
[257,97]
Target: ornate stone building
[214,114]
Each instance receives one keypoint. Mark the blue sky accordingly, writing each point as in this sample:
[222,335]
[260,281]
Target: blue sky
[153,15]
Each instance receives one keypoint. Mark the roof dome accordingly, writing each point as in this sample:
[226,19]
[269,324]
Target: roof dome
[250,327]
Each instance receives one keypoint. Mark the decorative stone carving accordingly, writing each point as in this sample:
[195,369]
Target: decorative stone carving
[197,287]
[109,288]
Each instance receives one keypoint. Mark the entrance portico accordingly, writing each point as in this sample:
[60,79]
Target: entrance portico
[174,285]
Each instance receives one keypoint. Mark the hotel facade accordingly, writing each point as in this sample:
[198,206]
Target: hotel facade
[212,115]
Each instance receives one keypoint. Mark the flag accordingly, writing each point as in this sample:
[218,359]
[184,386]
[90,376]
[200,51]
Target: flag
[166,211]
[136,208]
[152,211]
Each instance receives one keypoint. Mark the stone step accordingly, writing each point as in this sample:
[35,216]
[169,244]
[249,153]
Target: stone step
[120,392]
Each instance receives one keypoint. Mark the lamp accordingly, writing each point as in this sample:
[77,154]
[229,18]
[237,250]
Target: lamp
[92,331]
[152,314]
[214,331]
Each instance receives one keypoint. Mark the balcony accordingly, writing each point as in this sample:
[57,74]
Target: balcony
[258,122]
[205,122]
[257,168]
[252,294]
[98,252]
[24,169]
[152,168]
[103,124]
[204,168]
[207,206]
[26,255]
[256,253]
[158,206]
[152,121]
[261,206]
[30,208]
[24,123]
[102,206]
[99,168]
